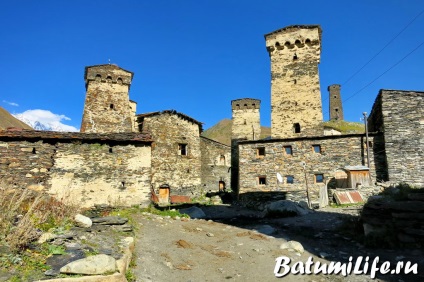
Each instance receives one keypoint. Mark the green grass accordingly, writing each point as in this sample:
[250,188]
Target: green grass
[345,126]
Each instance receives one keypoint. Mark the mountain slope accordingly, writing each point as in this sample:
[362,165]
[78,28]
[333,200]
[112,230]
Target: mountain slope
[7,120]
[221,132]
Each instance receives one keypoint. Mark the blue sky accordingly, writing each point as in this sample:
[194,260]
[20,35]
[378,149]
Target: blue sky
[196,56]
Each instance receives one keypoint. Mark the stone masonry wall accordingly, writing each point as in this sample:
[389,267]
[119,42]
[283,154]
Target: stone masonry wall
[336,106]
[169,129]
[246,119]
[336,152]
[107,106]
[216,164]
[77,170]
[400,116]
[295,90]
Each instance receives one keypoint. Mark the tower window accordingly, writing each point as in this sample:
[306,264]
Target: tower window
[319,178]
[262,180]
[111,106]
[295,57]
[109,78]
[335,96]
[222,160]
[296,127]
[119,80]
[182,149]
[336,110]
[260,152]
[289,179]
[98,77]
[34,151]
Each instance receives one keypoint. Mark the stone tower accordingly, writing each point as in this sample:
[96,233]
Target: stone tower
[295,91]
[246,119]
[107,106]
[336,107]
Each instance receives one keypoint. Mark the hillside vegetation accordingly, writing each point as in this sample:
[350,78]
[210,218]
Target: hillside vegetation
[345,126]
[221,132]
[7,120]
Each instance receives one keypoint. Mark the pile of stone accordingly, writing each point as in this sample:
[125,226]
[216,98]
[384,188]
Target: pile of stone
[93,247]
[394,222]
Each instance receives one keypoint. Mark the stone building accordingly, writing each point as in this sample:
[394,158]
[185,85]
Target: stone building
[79,168]
[107,107]
[295,90]
[176,155]
[336,106]
[246,119]
[399,116]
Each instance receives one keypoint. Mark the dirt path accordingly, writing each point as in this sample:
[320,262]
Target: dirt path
[229,248]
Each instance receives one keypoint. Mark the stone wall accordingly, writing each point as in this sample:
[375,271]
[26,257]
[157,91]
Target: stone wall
[246,119]
[170,130]
[216,164]
[295,90]
[85,169]
[335,102]
[336,152]
[400,116]
[107,107]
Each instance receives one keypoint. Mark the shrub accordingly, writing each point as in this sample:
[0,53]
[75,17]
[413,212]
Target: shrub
[24,213]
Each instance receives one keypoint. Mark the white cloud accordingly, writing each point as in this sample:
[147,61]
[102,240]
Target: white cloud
[45,120]
[11,103]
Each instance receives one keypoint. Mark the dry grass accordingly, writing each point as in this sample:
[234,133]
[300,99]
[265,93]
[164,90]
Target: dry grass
[24,212]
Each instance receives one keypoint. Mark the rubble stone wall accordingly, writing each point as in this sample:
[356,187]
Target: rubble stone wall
[181,172]
[295,90]
[337,152]
[84,172]
[216,164]
[400,116]
[107,107]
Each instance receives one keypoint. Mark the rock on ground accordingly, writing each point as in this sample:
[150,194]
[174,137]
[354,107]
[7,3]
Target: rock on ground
[83,221]
[98,264]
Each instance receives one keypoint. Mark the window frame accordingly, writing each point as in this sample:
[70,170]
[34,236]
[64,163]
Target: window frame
[287,177]
[316,175]
[314,146]
[182,147]
[263,177]
[260,150]
[285,150]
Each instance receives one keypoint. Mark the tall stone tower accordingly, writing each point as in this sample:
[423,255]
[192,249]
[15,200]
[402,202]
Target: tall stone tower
[295,91]
[107,106]
[336,106]
[246,119]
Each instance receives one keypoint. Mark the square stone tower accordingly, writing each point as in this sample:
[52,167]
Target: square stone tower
[107,106]
[336,106]
[246,119]
[295,91]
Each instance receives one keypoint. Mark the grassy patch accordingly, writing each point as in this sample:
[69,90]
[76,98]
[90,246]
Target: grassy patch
[345,126]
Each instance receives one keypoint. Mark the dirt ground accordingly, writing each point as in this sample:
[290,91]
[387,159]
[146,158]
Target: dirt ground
[235,244]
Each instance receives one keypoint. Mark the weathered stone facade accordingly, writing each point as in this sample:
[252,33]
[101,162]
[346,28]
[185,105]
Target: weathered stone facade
[322,156]
[216,165]
[107,107]
[336,106]
[86,169]
[176,155]
[399,115]
[246,119]
[295,90]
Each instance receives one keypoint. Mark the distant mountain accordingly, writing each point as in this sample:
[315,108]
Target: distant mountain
[37,125]
[7,120]
[221,132]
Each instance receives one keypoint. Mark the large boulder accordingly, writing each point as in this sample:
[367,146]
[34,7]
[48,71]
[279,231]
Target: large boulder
[193,212]
[83,221]
[285,208]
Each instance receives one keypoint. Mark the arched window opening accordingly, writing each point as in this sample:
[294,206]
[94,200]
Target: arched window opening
[222,160]
[109,79]
[98,77]
[119,80]
[287,44]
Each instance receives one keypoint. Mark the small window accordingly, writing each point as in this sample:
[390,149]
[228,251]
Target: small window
[316,149]
[319,178]
[288,150]
[34,151]
[336,109]
[260,151]
[119,80]
[222,160]
[110,150]
[289,179]
[111,106]
[369,144]
[182,149]
[109,79]
[98,77]
[296,127]
[262,180]
[335,96]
